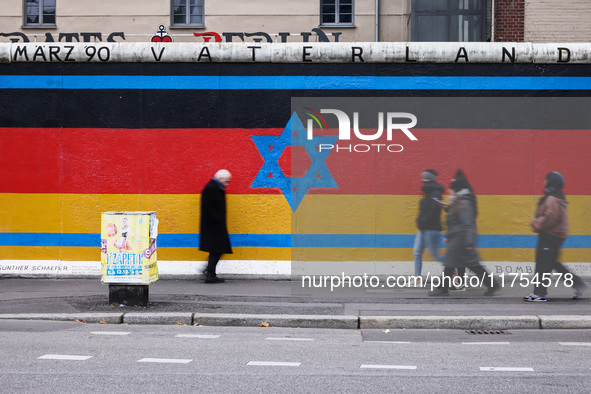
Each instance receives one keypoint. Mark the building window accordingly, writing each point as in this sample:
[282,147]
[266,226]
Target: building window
[187,13]
[449,20]
[337,12]
[39,13]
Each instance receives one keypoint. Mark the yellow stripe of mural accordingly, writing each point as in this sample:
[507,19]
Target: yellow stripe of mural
[269,214]
[177,213]
[352,214]
[21,212]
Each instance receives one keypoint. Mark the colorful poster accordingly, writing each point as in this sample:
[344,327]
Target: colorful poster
[128,247]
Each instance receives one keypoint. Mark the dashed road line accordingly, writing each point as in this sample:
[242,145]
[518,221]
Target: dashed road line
[377,366]
[64,357]
[575,343]
[507,369]
[273,364]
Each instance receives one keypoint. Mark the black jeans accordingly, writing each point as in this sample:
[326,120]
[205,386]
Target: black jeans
[547,253]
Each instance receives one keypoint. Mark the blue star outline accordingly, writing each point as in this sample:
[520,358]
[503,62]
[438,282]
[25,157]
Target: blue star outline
[293,188]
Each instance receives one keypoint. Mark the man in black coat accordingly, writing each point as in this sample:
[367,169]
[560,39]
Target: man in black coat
[214,230]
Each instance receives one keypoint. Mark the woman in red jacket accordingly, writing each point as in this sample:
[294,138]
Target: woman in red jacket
[551,223]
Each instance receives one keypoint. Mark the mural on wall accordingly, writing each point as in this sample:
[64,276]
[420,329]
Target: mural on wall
[119,137]
[314,35]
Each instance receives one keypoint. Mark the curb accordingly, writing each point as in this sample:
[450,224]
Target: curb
[104,318]
[546,322]
[454,322]
[557,322]
[158,318]
[300,321]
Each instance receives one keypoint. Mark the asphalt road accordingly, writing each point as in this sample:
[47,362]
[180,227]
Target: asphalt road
[67,357]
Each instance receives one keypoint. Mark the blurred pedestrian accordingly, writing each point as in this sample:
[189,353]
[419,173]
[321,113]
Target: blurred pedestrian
[551,224]
[461,271]
[428,222]
[461,239]
[214,236]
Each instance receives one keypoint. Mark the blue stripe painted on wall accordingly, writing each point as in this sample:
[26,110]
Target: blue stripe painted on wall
[197,82]
[286,240]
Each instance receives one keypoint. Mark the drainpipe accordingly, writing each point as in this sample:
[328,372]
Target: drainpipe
[377,20]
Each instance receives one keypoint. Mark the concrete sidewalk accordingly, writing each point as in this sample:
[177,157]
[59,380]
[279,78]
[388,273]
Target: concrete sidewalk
[283,304]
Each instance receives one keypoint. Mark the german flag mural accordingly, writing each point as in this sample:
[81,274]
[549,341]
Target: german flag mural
[81,138]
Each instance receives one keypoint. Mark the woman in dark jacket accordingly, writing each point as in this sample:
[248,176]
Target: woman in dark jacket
[461,239]
[428,222]
[551,223]
[214,236]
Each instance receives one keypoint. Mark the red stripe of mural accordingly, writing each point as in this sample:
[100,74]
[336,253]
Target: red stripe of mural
[497,162]
[173,161]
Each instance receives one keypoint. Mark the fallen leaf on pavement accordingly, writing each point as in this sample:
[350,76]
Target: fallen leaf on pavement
[264,324]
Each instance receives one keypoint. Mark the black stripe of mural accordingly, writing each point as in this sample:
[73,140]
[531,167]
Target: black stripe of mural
[240,69]
[271,108]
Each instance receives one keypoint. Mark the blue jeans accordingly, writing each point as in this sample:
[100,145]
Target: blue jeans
[425,239]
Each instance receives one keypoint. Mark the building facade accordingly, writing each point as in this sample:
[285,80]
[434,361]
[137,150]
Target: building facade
[281,21]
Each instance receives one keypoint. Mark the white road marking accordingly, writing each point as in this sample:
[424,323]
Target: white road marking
[110,332]
[273,364]
[200,336]
[289,339]
[388,366]
[575,343]
[485,343]
[165,360]
[64,357]
[507,369]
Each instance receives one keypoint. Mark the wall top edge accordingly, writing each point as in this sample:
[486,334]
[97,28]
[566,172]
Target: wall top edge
[354,52]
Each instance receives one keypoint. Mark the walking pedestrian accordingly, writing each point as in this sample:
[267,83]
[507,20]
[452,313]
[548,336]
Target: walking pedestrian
[214,236]
[551,224]
[461,239]
[428,222]
[461,271]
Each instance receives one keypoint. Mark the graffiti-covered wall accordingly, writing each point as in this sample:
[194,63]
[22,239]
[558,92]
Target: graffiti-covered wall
[86,129]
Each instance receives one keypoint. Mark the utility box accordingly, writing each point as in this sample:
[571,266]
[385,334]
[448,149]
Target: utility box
[128,255]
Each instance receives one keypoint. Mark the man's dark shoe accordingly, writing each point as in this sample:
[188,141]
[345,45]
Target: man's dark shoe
[438,293]
[213,279]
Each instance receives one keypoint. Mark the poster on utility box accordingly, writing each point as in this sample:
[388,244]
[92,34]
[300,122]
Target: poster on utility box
[128,247]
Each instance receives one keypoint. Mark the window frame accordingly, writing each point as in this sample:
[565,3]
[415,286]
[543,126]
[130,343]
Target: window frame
[41,24]
[449,13]
[337,16]
[187,24]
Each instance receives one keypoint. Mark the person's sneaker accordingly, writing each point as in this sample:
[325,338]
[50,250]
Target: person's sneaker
[580,289]
[525,298]
[536,298]
[438,293]
[457,288]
